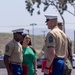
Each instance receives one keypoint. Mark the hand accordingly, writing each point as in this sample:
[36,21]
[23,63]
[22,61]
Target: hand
[46,71]
[35,72]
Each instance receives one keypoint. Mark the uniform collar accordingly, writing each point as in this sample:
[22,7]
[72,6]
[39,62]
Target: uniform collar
[55,27]
[15,41]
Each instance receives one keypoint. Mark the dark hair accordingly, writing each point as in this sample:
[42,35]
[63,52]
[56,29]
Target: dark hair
[29,44]
[24,35]
[32,49]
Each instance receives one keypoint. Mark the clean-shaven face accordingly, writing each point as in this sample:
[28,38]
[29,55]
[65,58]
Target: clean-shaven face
[26,39]
[51,23]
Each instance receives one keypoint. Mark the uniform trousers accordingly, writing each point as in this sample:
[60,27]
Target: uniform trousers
[17,69]
[58,66]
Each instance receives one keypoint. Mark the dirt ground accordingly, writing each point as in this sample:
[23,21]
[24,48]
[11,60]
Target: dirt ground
[5,38]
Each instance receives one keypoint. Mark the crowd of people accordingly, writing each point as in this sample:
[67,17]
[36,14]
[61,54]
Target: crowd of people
[20,57]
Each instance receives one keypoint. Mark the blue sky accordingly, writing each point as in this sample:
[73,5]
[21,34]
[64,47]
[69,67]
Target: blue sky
[13,15]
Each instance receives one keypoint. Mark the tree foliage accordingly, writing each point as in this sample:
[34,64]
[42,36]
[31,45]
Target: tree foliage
[61,5]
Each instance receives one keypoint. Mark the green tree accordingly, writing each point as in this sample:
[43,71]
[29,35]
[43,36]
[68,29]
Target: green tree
[61,6]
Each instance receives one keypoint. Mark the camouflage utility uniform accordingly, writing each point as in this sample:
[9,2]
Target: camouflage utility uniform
[68,61]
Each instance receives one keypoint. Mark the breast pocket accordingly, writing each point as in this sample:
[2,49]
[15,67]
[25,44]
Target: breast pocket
[17,50]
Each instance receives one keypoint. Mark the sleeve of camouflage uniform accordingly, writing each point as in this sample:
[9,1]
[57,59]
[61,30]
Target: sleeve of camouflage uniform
[70,50]
[50,48]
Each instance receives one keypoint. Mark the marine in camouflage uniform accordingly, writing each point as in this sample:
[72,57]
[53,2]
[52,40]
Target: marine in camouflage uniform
[68,60]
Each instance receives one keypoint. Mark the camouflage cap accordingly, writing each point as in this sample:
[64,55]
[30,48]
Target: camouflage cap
[59,24]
